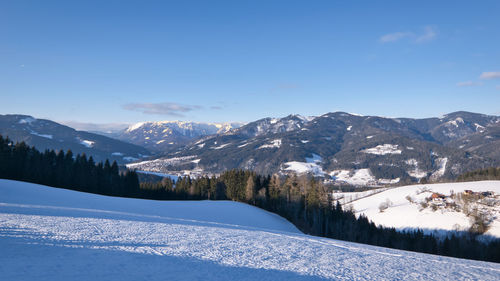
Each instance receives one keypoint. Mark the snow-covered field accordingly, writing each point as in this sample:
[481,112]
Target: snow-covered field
[359,177]
[403,214]
[383,149]
[55,234]
[160,166]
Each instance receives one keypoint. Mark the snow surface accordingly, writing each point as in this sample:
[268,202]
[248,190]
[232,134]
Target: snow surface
[455,122]
[243,145]
[348,197]
[441,163]
[357,177]
[161,130]
[356,114]
[479,128]
[404,214]
[388,181]
[221,146]
[415,172]
[161,165]
[304,168]
[55,234]
[130,158]
[135,126]
[41,135]
[273,144]
[87,143]
[27,120]
[383,149]
[171,176]
[314,159]
[151,164]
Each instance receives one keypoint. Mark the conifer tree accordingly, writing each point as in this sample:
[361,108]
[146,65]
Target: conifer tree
[250,189]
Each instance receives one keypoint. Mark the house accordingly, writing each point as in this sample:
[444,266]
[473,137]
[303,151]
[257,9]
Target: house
[468,192]
[486,193]
[437,196]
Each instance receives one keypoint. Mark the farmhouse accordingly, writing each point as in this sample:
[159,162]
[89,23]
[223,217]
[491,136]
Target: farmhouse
[437,196]
[468,192]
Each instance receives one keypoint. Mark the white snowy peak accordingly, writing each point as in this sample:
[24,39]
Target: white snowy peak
[274,125]
[185,128]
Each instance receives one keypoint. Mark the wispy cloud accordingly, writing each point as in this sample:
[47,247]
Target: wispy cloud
[166,108]
[469,84]
[392,37]
[490,75]
[216,107]
[428,34]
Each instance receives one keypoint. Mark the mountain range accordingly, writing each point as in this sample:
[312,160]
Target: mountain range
[344,148]
[167,135]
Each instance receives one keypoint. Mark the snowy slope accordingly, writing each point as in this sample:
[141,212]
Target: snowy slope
[54,234]
[403,214]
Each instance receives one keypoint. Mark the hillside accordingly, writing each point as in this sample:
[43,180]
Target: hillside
[46,134]
[55,234]
[345,148]
[449,213]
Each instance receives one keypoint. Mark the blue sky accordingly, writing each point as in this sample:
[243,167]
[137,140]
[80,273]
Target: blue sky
[130,61]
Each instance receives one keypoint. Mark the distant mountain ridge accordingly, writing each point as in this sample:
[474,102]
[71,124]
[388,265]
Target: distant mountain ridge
[46,134]
[165,135]
[345,148]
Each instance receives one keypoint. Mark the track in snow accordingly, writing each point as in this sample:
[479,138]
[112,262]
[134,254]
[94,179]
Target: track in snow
[54,234]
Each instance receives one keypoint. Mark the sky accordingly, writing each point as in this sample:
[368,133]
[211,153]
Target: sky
[120,62]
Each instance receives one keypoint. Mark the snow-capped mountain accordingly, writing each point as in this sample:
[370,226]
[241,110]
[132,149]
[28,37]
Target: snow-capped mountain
[164,135]
[272,126]
[46,134]
[346,148]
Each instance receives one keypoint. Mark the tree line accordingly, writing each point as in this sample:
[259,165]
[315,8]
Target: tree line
[308,204]
[491,173]
[59,169]
[302,200]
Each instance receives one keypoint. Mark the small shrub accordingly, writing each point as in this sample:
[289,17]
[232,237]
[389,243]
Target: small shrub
[480,221]
[384,205]
[349,208]
[424,204]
